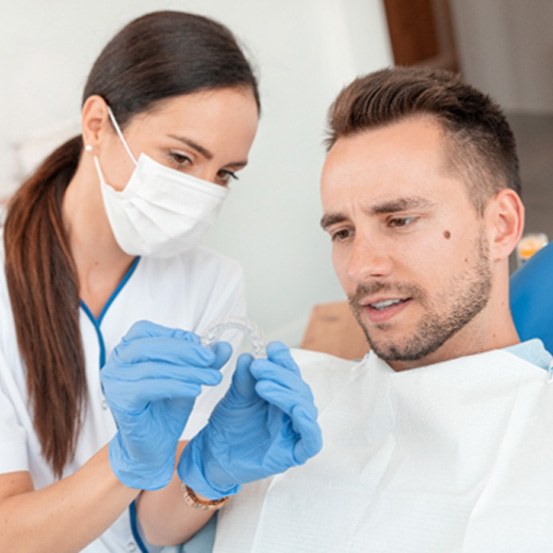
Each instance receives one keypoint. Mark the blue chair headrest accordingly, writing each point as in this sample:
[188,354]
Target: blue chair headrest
[532,297]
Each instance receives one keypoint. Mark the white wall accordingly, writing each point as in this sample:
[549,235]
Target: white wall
[506,49]
[306,50]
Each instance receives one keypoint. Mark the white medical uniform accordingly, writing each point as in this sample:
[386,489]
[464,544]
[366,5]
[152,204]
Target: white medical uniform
[454,457]
[189,291]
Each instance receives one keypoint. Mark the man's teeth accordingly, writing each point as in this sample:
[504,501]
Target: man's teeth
[385,303]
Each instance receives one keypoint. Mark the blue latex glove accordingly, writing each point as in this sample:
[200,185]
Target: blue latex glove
[150,382]
[265,424]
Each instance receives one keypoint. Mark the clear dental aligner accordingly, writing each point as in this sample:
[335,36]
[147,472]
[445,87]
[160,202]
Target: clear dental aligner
[247,327]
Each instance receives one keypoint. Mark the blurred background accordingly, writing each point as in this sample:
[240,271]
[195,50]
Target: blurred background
[305,51]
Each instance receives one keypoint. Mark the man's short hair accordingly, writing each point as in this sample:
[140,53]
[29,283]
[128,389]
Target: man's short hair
[480,146]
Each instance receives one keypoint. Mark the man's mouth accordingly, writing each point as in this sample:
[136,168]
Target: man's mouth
[385,304]
[383,310]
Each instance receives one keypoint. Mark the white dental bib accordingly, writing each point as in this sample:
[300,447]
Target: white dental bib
[454,457]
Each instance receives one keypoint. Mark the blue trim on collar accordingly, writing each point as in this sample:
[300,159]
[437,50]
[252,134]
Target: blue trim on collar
[88,313]
[532,351]
[134,528]
[102,360]
[120,286]
[97,322]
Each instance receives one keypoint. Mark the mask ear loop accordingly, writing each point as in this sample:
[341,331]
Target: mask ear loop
[120,135]
[99,170]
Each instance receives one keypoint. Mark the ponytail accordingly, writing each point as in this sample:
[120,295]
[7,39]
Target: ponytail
[44,294]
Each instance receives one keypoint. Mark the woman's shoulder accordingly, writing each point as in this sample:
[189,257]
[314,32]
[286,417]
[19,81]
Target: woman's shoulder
[198,263]
[202,255]
[190,290]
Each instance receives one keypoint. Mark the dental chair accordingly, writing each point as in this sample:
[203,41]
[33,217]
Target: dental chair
[532,298]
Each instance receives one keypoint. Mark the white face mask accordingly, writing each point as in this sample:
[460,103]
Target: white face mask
[161,212]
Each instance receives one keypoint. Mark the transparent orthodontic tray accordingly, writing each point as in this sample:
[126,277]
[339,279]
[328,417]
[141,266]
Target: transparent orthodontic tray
[248,328]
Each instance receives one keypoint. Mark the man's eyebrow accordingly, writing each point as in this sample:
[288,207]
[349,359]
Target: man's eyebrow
[387,206]
[332,219]
[400,204]
[204,151]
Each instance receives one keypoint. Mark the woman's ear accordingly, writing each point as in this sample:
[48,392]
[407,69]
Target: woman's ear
[505,220]
[94,121]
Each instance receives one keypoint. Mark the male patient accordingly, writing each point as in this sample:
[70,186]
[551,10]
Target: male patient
[441,439]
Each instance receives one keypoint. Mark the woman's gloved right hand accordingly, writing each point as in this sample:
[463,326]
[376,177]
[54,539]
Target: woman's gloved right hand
[265,424]
[151,382]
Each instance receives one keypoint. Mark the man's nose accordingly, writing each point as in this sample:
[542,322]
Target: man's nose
[368,259]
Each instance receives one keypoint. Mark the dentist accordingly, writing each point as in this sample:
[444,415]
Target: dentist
[104,234]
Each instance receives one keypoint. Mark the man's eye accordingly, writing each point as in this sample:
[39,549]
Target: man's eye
[399,222]
[340,235]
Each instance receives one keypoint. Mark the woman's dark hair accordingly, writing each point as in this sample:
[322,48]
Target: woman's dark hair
[155,57]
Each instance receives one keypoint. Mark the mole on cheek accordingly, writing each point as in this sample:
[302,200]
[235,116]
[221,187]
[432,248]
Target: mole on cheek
[447,234]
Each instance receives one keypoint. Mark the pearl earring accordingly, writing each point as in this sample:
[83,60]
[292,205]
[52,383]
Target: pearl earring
[88,148]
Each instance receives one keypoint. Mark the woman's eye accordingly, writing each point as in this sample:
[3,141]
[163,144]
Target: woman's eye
[225,176]
[180,160]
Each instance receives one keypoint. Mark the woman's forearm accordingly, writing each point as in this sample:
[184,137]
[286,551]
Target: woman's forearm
[165,518]
[65,516]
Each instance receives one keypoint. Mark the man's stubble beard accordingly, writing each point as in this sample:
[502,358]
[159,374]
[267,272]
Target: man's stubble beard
[471,291]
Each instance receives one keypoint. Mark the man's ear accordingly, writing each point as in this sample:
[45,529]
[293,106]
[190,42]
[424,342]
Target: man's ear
[94,120]
[504,215]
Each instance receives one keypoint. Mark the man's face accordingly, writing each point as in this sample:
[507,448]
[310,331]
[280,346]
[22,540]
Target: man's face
[409,248]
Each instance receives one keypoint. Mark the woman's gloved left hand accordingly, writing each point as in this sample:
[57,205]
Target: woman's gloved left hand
[151,382]
[265,424]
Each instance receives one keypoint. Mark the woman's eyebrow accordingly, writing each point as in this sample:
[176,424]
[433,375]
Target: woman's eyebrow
[194,145]
[204,151]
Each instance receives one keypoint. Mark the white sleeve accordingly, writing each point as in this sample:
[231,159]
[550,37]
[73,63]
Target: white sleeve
[14,417]
[13,437]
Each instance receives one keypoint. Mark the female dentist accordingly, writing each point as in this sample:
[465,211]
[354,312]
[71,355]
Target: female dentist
[105,234]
